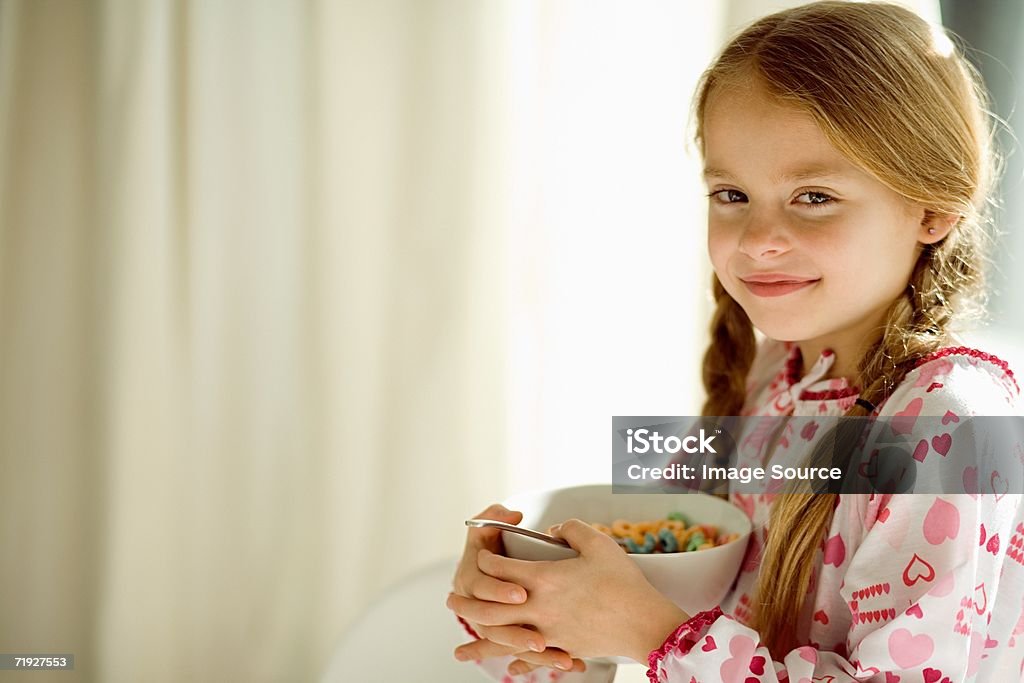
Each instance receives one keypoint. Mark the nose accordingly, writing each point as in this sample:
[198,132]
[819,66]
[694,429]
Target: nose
[763,237]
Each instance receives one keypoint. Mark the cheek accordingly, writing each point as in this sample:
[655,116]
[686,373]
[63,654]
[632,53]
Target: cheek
[720,246]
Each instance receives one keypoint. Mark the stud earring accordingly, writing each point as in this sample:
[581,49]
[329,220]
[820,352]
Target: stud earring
[931,231]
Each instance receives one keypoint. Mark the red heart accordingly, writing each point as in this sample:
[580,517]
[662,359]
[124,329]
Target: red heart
[757,665]
[942,443]
[982,541]
[807,433]
[821,616]
[709,644]
[915,611]
[869,469]
[993,544]
[891,677]
[980,607]
[921,450]
[931,675]
[994,481]
[950,416]
[916,570]
[883,515]
[933,385]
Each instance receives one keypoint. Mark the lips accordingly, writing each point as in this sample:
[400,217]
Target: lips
[776,284]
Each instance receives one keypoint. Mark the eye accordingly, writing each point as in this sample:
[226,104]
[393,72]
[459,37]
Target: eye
[728,196]
[816,199]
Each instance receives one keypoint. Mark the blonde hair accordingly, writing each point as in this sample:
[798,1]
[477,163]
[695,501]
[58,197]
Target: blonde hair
[898,98]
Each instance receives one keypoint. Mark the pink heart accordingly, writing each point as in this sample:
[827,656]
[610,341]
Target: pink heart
[941,522]
[890,677]
[950,416]
[908,650]
[970,479]
[903,421]
[742,649]
[915,611]
[835,550]
[942,443]
[883,514]
[808,654]
[921,450]
[943,586]
[709,644]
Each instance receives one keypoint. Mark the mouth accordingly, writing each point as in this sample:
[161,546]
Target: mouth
[778,288]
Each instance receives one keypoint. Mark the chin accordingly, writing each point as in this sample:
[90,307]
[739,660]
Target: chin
[793,329]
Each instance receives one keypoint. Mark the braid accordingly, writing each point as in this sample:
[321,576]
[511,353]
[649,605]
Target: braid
[728,357]
[915,326]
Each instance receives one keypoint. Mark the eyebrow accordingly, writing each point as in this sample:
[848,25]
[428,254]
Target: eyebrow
[794,175]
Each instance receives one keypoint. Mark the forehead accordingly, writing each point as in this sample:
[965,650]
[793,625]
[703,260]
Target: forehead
[747,132]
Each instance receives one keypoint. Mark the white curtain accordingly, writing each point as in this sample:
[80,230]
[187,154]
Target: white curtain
[290,289]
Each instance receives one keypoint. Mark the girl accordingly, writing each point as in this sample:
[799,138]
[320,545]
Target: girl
[848,160]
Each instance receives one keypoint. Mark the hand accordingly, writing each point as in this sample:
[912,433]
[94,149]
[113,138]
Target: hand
[596,605]
[502,640]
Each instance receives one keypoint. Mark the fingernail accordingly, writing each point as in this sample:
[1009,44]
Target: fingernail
[563,666]
[535,646]
[461,656]
[516,595]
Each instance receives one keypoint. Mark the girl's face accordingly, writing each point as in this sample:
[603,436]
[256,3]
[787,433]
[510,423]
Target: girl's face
[814,249]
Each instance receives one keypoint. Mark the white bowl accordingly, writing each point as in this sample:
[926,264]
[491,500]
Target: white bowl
[695,581]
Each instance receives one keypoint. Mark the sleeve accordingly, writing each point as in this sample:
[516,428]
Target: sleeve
[496,668]
[920,576]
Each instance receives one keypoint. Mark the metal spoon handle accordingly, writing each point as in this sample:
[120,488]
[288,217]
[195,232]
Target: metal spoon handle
[547,538]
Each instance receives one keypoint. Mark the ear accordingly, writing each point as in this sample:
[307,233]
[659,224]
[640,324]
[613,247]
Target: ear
[935,226]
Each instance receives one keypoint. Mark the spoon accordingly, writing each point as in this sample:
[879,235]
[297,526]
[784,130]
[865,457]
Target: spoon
[540,536]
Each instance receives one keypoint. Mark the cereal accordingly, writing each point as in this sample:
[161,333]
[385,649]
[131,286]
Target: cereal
[672,534]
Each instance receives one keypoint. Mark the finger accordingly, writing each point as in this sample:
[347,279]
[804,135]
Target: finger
[583,537]
[520,572]
[482,649]
[484,587]
[517,637]
[501,513]
[478,535]
[485,613]
[551,658]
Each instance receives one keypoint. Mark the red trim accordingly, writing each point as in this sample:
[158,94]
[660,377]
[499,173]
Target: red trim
[829,395]
[683,639]
[469,629]
[793,363]
[973,353]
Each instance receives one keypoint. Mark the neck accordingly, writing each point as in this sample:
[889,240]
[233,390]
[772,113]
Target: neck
[849,345]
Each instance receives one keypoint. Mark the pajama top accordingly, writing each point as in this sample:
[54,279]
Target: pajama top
[907,588]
